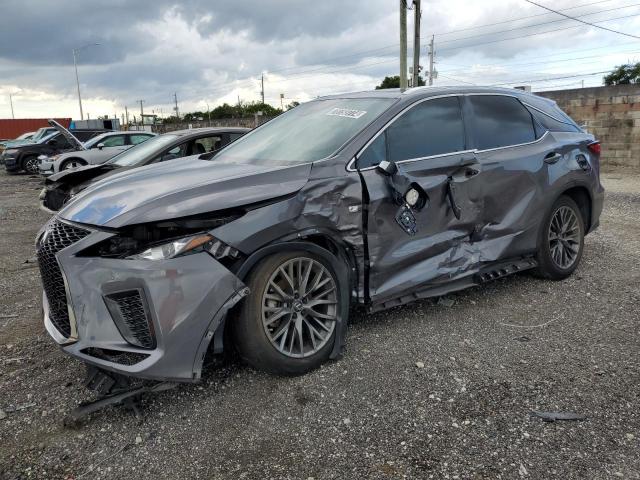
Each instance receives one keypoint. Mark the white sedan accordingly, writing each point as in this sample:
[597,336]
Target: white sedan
[95,151]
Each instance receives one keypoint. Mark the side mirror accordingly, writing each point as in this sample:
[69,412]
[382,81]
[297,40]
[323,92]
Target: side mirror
[100,146]
[387,168]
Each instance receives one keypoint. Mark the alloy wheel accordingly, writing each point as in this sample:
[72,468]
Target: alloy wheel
[31,165]
[299,307]
[564,237]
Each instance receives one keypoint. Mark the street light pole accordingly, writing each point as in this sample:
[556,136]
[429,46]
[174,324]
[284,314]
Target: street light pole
[75,66]
[11,102]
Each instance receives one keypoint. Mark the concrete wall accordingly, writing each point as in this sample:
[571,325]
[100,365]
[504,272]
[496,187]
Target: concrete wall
[612,114]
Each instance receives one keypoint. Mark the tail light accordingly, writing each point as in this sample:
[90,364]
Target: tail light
[595,148]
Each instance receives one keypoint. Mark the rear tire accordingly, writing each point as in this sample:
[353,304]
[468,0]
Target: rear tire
[30,165]
[287,325]
[561,240]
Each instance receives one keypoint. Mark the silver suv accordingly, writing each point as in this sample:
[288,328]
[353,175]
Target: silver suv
[370,200]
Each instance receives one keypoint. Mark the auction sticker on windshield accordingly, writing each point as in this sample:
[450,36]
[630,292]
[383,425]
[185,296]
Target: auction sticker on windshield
[346,112]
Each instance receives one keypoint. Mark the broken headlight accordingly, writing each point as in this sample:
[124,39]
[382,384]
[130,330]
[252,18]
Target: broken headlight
[174,248]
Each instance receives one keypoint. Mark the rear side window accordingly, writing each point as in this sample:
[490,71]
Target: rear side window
[500,121]
[553,121]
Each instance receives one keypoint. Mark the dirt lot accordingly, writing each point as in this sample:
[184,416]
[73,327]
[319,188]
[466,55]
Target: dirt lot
[499,352]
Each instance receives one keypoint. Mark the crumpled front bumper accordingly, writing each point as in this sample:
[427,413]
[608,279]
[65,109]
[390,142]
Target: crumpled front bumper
[45,167]
[185,300]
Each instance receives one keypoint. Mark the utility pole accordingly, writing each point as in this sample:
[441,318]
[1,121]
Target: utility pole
[417,13]
[75,65]
[208,115]
[262,90]
[11,102]
[403,44]
[126,115]
[175,99]
[141,112]
[432,54]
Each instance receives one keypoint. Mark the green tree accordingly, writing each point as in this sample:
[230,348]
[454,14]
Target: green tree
[394,82]
[624,75]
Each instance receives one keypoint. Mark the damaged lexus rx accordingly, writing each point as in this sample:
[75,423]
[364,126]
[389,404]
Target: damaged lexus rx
[370,199]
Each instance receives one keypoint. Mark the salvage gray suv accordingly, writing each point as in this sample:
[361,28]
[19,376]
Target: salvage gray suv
[371,199]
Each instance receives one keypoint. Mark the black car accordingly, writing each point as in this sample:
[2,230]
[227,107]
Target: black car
[59,188]
[25,157]
[369,199]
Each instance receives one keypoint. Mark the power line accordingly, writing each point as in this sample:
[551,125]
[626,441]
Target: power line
[582,21]
[529,34]
[552,78]
[538,24]
[518,19]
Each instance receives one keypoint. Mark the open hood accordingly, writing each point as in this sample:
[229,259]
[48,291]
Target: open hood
[77,144]
[180,188]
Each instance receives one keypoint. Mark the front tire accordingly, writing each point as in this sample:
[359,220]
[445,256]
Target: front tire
[72,163]
[561,240]
[287,325]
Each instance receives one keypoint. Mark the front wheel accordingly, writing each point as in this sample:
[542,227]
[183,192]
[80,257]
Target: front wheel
[561,240]
[72,163]
[287,325]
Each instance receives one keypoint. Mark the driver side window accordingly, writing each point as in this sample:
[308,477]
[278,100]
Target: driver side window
[175,152]
[430,128]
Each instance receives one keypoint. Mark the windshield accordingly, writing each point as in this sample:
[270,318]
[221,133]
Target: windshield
[142,151]
[41,133]
[47,138]
[307,133]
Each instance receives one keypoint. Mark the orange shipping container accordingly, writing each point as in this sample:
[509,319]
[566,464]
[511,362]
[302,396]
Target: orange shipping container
[12,128]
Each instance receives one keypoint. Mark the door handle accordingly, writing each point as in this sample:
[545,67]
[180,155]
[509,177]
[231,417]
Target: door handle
[470,172]
[552,158]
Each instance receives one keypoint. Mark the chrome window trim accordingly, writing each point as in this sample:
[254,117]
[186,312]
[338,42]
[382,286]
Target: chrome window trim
[351,165]
[547,114]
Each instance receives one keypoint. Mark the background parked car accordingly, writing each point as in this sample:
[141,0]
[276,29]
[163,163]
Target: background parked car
[27,138]
[97,150]
[24,136]
[59,188]
[25,157]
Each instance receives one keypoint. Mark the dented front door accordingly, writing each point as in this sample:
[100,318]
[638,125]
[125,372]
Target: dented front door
[428,243]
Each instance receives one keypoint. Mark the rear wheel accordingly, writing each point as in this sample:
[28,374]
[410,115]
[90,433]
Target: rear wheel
[561,240]
[30,164]
[287,325]
[72,163]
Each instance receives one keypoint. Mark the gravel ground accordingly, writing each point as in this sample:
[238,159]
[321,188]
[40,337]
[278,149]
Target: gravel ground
[424,391]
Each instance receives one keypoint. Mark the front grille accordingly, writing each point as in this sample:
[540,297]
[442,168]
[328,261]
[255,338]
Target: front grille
[131,317]
[57,235]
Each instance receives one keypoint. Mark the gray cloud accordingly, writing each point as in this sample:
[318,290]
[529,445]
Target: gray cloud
[151,48]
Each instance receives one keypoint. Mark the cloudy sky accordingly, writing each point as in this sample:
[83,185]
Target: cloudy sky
[214,51]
